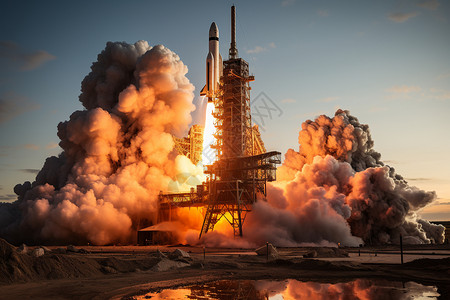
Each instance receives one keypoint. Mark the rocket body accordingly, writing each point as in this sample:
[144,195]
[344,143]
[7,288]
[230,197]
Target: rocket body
[214,65]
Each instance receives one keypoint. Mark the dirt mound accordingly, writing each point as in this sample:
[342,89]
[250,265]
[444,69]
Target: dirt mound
[177,254]
[262,251]
[23,267]
[17,267]
[13,266]
[167,264]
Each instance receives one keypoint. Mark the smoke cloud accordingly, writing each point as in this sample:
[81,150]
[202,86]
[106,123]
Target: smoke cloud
[383,205]
[118,153]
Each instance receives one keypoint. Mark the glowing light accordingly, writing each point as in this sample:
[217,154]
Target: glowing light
[209,154]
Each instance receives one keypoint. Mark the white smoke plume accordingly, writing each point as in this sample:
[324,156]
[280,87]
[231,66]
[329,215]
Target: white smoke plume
[383,205]
[118,153]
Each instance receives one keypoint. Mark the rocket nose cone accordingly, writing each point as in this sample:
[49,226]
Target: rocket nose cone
[213,30]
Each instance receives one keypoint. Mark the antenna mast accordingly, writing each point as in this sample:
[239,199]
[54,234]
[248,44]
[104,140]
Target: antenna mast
[233,50]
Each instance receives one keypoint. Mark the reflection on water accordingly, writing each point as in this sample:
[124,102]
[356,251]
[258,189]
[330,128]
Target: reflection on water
[364,289]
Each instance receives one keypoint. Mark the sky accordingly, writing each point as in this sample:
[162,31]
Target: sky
[387,62]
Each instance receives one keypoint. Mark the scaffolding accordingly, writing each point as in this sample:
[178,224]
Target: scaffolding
[232,117]
[192,145]
[258,144]
[235,185]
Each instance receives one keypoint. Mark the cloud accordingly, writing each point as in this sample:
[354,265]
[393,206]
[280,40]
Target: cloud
[52,145]
[429,4]
[374,193]
[31,147]
[323,13]
[259,49]
[288,100]
[285,3]
[406,92]
[27,60]
[418,179]
[30,171]
[12,105]
[255,50]
[327,99]
[401,17]
[440,94]
[444,96]
[5,150]
[403,89]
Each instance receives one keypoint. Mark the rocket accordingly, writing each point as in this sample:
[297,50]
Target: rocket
[214,65]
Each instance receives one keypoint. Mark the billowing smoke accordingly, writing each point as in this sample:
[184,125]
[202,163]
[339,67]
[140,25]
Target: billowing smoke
[118,153]
[383,205]
[335,189]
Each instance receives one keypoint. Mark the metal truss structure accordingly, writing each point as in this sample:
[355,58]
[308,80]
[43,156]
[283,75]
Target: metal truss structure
[192,145]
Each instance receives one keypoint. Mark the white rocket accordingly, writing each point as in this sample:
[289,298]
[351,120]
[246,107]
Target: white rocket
[214,64]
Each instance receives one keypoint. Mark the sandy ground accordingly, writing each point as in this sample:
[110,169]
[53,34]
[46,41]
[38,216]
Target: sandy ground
[123,271]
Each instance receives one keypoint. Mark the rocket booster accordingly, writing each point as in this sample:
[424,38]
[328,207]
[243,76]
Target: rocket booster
[214,64]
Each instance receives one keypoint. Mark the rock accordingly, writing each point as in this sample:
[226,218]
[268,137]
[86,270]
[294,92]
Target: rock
[38,252]
[84,251]
[159,254]
[262,251]
[166,264]
[23,249]
[179,254]
[72,248]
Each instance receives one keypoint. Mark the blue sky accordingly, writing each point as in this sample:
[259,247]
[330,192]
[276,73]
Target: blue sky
[385,61]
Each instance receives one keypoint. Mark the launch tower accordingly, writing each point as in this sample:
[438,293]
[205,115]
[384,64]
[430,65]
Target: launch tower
[239,176]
